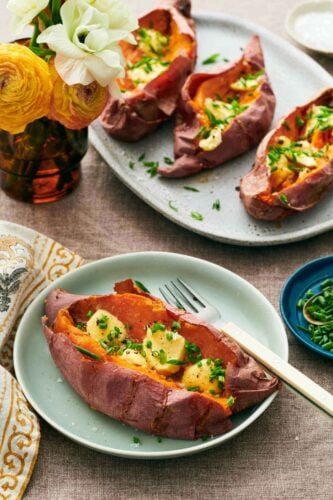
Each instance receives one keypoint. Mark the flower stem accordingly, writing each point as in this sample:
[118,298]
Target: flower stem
[55,9]
[35,34]
[45,19]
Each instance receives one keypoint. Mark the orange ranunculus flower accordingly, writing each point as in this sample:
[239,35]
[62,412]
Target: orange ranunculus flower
[76,106]
[25,87]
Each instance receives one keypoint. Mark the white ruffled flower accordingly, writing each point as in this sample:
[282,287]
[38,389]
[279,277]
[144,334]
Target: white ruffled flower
[86,44]
[24,11]
[121,19]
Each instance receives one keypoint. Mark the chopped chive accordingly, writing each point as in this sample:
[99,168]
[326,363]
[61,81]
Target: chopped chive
[172,206]
[286,125]
[230,401]
[142,157]
[299,122]
[283,198]
[90,313]
[140,285]
[175,325]
[176,362]
[193,388]
[216,205]
[158,327]
[82,350]
[81,326]
[204,437]
[191,188]
[159,440]
[211,59]
[197,216]
[131,164]
[225,59]
[136,440]
[169,336]
[149,344]
[168,161]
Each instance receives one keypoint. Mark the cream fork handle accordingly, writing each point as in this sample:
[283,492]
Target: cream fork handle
[286,372]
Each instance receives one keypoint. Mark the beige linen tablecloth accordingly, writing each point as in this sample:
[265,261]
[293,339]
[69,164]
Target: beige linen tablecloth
[288,452]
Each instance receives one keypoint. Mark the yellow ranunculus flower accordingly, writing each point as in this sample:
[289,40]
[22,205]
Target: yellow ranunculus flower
[76,106]
[25,87]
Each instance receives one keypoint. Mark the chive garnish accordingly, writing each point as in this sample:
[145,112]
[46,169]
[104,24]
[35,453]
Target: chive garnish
[81,326]
[176,362]
[230,401]
[197,216]
[286,125]
[142,157]
[82,350]
[172,206]
[136,440]
[175,325]
[193,388]
[90,313]
[211,59]
[283,198]
[216,205]
[299,122]
[191,188]
[168,161]
[131,164]
[141,286]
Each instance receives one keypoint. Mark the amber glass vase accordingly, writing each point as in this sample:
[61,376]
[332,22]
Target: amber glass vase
[42,164]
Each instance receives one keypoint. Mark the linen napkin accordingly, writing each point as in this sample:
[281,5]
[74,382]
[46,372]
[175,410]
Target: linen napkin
[29,261]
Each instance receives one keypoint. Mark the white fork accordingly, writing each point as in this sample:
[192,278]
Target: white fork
[183,296]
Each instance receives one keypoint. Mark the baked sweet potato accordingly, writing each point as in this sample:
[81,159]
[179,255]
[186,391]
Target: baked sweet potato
[294,162]
[121,373]
[156,71]
[222,114]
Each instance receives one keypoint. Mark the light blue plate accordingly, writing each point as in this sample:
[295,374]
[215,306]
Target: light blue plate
[62,408]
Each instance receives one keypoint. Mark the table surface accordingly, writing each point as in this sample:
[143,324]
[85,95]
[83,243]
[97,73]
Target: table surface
[287,452]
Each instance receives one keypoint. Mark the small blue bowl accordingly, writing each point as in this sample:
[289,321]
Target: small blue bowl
[311,275]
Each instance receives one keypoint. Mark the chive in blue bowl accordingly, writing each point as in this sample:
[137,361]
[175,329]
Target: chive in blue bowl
[305,281]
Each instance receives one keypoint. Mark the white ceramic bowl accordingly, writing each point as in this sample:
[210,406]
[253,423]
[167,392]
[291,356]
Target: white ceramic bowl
[310,24]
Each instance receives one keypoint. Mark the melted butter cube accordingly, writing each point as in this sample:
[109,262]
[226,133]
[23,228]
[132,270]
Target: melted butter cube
[196,377]
[161,346]
[102,324]
[134,357]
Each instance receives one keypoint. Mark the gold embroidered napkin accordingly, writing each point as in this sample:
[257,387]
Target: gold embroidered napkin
[29,261]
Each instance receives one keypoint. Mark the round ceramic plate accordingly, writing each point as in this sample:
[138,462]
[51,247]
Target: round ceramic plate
[310,24]
[309,276]
[62,408]
[295,78]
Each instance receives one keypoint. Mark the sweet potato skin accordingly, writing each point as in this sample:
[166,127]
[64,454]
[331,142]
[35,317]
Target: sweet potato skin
[132,117]
[301,196]
[245,131]
[132,396]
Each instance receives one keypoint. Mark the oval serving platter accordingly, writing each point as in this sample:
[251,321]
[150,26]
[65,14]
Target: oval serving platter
[57,402]
[295,78]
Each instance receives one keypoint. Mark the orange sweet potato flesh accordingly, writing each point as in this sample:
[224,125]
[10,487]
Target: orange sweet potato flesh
[112,385]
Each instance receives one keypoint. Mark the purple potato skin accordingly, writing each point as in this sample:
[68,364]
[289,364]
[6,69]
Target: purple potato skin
[245,131]
[244,377]
[134,398]
[132,117]
[300,196]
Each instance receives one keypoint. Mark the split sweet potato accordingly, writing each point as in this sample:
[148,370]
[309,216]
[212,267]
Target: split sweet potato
[155,73]
[294,163]
[139,395]
[222,114]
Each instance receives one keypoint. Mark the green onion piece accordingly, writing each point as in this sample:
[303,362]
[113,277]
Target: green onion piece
[142,157]
[230,401]
[157,327]
[176,362]
[175,325]
[82,350]
[89,314]
[168,161]
[131,164]
[197,216]
[211,59]
[191,188]
[136,440]
[283,198]
[216,205]
[140,285]
[193,388]
[172,206]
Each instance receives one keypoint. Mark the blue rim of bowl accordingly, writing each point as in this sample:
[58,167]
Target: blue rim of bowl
[287,285]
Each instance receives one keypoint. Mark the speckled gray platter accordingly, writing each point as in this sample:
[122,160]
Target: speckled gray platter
[295,78]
